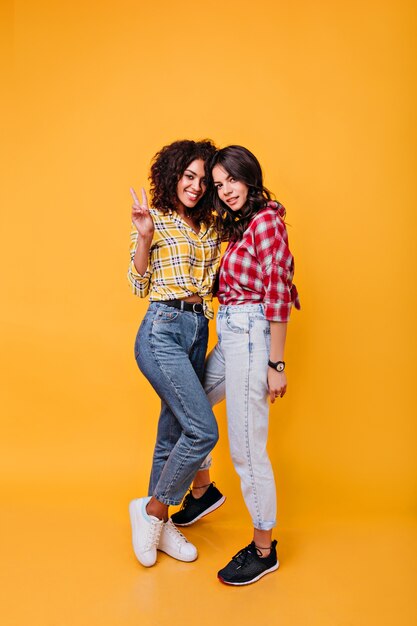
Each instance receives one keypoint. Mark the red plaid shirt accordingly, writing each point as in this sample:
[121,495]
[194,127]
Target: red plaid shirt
[260,267]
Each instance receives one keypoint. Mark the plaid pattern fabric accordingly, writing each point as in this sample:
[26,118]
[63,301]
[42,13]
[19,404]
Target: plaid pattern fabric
[181,263]
[260,267]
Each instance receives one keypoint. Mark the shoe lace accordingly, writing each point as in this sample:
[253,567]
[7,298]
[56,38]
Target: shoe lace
[175,533]
[153,534]
[242,556]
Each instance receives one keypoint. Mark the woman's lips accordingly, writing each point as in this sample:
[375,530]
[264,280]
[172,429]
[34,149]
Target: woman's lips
[192,196]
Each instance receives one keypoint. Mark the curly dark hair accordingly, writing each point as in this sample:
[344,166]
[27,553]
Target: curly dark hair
[240,163]
[168,165]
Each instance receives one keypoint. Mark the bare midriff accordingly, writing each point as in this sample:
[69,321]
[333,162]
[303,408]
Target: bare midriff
[194,298]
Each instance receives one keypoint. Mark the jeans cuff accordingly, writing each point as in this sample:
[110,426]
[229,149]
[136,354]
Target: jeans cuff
[264,525]
[206,464]
[167,501]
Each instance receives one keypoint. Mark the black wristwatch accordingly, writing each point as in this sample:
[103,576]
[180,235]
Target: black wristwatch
[278,365]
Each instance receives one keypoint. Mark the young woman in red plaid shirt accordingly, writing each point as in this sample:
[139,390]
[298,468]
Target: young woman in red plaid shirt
[247,365]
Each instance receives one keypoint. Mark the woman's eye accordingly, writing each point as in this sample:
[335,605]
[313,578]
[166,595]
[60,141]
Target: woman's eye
[232,180]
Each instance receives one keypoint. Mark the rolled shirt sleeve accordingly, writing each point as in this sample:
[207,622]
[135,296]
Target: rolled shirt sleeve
[277,265]
[139,283]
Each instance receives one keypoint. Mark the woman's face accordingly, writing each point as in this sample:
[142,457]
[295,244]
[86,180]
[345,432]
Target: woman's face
[192,185]
[232,192]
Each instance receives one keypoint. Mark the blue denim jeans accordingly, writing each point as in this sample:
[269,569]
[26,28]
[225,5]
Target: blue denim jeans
[237,368]
[170,350]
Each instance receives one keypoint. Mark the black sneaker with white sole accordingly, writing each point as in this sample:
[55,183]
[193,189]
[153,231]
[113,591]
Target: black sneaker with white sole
[194,509]
[248,566]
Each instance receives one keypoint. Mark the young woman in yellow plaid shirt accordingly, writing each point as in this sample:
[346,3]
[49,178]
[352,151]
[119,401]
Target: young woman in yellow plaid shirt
[175,253]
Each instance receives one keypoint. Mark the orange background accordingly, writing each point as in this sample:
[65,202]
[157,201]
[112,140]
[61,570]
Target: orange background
[322,93]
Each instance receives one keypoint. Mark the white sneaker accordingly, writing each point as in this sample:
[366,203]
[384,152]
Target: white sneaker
[146,530]
[173,542]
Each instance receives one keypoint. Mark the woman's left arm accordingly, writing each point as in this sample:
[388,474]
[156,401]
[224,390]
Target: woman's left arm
[277,381]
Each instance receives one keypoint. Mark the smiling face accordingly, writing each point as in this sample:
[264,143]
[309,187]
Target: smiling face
[234,193]
[192,185]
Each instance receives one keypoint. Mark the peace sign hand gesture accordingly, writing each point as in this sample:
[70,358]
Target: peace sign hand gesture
[141,217]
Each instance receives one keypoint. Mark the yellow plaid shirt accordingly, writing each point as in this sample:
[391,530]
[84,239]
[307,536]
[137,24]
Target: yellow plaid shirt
[181,262]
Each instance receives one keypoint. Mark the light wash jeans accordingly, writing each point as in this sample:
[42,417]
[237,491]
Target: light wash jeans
[237,368]
[170,350]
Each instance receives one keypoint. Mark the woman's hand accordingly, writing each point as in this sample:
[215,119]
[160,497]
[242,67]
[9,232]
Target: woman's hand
[141,217]
[277,384]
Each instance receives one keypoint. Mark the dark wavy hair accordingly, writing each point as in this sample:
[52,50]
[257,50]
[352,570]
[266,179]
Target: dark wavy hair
[240,163]
[168,165]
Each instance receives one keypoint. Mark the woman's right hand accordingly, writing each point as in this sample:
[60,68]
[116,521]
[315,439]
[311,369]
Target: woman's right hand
[141,217]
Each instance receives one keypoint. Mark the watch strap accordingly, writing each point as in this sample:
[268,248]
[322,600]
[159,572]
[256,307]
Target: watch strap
[279,366]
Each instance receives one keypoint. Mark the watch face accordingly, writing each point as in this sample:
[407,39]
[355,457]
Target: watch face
[280,367]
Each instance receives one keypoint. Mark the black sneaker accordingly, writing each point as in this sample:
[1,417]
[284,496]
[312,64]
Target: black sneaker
[248,566]
[194,509]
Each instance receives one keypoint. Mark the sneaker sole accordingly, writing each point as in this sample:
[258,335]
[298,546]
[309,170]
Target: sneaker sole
[249,582]
[212,508]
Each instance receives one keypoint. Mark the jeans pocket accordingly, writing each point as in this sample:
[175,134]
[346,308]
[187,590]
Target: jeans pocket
[164,316]
[238,322]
